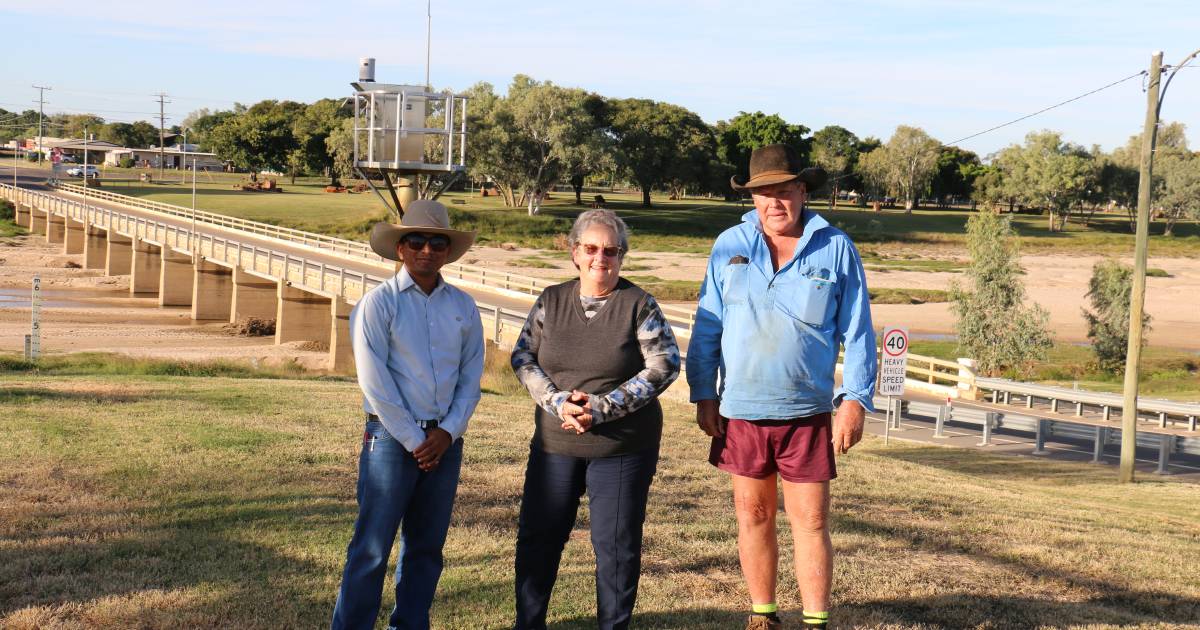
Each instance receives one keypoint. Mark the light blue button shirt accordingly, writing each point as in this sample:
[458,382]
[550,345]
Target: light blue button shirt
[773,337]
[419,357]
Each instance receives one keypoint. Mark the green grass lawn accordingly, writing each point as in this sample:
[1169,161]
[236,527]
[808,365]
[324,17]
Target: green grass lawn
[7,217]
[908,296]
[158,501]
[687,225]
[1165,372]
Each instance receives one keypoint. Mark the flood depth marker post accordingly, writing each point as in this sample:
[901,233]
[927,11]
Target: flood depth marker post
[35,309]
[893,363]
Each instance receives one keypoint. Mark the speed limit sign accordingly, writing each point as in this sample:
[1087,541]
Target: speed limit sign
[894,361]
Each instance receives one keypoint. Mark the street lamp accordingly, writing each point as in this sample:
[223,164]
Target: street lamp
[1137,301]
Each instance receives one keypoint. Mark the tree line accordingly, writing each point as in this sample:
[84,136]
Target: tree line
[538,135]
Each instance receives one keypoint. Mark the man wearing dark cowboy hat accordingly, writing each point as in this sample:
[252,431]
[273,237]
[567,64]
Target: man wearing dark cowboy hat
[783,290]
[418,349]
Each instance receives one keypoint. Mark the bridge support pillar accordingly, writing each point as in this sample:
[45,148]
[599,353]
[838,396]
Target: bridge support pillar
[76,234]
[56,228]
[212,290]
[118,254]
[37,220]
[341,353]
[252,297]
[95,248]
[144,267]
[22,211]
[175,281]
[301,316]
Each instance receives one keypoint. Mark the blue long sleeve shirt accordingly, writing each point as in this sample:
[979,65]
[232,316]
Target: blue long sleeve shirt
[773,336]
[419,357]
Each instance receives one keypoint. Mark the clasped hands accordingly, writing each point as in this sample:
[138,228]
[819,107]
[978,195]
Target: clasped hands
[429,453]
[576,412]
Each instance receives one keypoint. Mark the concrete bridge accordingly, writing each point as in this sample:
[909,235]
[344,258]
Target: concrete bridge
[228,269]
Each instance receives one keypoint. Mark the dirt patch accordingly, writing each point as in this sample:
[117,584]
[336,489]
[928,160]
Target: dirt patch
[252,327]
[312,346]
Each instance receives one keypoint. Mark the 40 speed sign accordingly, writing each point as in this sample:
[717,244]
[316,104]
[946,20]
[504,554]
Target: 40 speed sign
[893,361]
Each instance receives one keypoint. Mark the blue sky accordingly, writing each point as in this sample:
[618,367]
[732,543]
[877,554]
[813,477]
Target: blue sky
[951,67]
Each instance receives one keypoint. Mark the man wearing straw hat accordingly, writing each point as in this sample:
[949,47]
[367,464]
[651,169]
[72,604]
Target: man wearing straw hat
[783,290]
[418,349]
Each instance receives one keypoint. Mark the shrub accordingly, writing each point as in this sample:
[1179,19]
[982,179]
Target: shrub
[1108,321]
[994,326]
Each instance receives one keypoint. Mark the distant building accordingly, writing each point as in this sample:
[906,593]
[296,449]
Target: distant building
[173,157]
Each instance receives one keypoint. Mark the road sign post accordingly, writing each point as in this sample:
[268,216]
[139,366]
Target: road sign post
[893,363]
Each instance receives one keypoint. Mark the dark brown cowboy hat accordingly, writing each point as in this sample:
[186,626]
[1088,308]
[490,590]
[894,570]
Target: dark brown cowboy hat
[775,164]
[426,217]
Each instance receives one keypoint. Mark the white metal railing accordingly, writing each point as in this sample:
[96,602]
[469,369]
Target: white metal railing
[1165,410]
[682,318]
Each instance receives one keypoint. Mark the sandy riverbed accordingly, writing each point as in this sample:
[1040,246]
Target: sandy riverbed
[1057,282]
[86,311]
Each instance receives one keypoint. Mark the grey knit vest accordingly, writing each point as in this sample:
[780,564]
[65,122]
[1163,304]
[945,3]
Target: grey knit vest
[596,356]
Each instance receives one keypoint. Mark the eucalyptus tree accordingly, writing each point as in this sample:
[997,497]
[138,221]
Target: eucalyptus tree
[904,165]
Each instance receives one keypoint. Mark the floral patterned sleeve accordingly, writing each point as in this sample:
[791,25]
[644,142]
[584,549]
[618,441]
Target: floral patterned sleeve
[660,353]
[525,365]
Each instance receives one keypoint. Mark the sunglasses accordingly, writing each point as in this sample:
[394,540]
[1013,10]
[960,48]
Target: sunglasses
[610,252]
[416,242]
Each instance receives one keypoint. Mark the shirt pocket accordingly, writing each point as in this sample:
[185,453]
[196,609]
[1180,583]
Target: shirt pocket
[734,284]
[810,295]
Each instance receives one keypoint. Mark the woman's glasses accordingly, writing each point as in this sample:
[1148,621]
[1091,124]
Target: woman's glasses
[592,250]
[417,242]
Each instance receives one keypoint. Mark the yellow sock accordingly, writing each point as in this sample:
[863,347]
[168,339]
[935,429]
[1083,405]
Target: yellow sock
[764,609]
[816,619]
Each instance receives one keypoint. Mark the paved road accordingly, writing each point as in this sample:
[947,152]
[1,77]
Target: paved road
[1018,443]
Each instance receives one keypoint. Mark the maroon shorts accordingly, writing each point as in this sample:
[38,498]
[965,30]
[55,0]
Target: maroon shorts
[800,450]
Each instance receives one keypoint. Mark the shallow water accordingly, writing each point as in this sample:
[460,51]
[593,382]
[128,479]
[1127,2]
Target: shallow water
[11,297]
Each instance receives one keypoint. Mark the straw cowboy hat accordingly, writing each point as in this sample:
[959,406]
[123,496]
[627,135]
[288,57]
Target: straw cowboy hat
[775,164]
[426,217]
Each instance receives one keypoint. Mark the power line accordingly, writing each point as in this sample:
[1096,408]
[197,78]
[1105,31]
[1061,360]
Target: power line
[1046,109]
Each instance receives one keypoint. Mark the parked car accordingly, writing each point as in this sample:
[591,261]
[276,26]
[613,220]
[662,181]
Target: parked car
[68,159]
[77,171]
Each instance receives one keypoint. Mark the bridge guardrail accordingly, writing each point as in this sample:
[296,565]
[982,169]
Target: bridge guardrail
[1165,410]
[481,275]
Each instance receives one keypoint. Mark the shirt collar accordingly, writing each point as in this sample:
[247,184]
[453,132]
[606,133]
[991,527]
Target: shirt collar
[404,281]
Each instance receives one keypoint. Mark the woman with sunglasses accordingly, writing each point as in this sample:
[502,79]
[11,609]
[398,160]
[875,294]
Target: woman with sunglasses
[595,354]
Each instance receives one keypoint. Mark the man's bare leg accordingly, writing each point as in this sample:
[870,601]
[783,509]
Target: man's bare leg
[755,503]
[807,506]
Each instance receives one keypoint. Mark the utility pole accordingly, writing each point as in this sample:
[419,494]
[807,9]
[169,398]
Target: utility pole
[1137,300]
[162,134]
[428,40]
[41,115]
[1133,352]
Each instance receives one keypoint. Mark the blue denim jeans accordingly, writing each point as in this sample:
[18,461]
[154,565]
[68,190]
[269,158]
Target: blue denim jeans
[617,489]
[393,493]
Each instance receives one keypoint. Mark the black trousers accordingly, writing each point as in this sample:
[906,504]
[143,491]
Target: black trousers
[617,489]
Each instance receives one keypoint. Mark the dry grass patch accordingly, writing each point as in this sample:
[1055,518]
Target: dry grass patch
[218,502]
